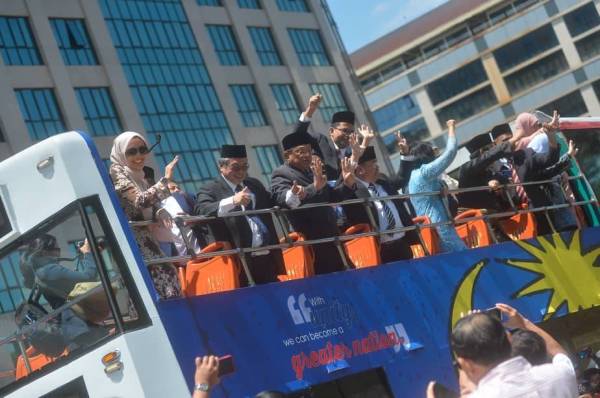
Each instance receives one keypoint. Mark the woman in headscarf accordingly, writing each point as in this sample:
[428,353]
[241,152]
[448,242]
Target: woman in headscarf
[141,200]
[531,128]
[426,177]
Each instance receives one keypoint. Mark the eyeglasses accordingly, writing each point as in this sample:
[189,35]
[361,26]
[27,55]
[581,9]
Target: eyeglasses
[345,131]
[239,167]
[142,150]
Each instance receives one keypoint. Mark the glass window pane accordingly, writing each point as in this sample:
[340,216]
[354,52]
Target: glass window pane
[589,46]
[269,159]
[395,113]
[252,4]
[414,131]
[40,112]
[16,42]
[286,103]
[225,45]
[262,38]
[536,73]
[98,111]
[468,106]
[248,105]
[213,3]
[73,41]
[582,19]
[526,47]
[333,99]
[456,82]
[309,47]
[293,5]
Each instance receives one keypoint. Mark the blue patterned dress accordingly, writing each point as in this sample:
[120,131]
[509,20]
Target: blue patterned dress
[426,179]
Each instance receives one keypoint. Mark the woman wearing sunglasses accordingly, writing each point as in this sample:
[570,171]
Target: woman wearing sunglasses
[140,198]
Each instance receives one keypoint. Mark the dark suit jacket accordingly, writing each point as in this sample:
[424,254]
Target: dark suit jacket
[477,173]
[324,148]
[357,213]
[403,174]
[316,222]
[233,229]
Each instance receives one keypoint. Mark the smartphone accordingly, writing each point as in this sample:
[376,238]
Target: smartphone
[441,391]
[226,365]
[494,313]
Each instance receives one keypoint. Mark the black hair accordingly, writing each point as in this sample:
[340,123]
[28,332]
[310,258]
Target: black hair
[530,346]
[480,338]
[422,152]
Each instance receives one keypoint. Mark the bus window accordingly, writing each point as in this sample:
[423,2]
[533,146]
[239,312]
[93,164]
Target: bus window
[588,141]
[52,300]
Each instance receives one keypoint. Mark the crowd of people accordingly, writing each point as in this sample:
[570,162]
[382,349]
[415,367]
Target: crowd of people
[337,166]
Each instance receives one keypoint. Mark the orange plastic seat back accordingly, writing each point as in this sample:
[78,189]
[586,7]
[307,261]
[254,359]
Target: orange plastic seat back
[363,251]
[473,233]
[36,361]
[519,226]
[429,237]
[211,275]
[299,261]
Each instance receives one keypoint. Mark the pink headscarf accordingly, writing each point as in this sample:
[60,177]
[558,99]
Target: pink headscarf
[530,126]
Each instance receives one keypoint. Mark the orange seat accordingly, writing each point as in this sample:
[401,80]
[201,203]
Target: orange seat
[36,361]
[473,233]
[211,275]
[299,261]
[363,251]
[429,237]
[519,226]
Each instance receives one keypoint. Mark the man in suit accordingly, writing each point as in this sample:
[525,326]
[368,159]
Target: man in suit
[233,190]
[388,214]
[479,172]
[334,146]
[300,181]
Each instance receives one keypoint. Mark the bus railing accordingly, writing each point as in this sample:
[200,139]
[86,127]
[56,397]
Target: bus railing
[280,219]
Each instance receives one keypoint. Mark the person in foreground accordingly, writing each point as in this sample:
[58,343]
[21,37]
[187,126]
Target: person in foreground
[206,376]
[483,352]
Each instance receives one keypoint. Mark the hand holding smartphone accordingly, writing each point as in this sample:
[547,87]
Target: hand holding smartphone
[226,365]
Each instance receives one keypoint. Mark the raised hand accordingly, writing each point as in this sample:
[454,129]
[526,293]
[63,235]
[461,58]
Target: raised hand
[242,198]
[367,135]
[554,124]
[451,127]
[572,149]
[402,144]
[319,179]
[313,104]
[170,167]
[298,190]
[348,168]
[356,147]
[494,185]
[207,370]
[514,319]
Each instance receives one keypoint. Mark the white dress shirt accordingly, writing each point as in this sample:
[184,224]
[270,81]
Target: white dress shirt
[383,222]
[226,205]
[517,378]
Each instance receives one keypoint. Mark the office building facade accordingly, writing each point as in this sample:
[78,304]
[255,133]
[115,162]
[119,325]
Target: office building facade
[482,62]
[200,73]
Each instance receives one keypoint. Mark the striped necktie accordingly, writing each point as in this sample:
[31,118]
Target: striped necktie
[387,212]
[519,188]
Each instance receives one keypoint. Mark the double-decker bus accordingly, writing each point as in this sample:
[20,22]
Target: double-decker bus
[370,331]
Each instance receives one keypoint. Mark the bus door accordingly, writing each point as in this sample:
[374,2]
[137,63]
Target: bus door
[57,319]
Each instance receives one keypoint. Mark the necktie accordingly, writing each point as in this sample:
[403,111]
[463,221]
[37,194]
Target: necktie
[519,188]
[387,212]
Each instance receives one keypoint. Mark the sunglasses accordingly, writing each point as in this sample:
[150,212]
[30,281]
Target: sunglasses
[345,131]
[239,167]
[134,151]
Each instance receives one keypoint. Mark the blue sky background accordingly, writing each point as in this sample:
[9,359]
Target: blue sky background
[362,21]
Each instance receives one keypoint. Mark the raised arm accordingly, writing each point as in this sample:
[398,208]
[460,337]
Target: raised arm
[437,167]
[141,199]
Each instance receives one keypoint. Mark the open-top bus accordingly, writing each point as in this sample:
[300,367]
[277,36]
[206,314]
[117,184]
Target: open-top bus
[373,331]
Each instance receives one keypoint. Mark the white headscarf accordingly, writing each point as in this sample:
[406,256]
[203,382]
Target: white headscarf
[117,155]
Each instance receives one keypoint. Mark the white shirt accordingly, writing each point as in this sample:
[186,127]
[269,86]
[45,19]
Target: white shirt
[226,205]
[517,378]
[539,143]
[383,221]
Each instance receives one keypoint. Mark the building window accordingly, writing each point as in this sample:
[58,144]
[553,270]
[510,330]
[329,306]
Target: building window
[170,84]
[526,47]
[264,46]
[333,99]
[582,19]
[286,103]
[293,5]
[536,73]
[456,82]
[309,47]
[395,113]
[570,105]
[99,111]
[73,41]
[589,46]
[269,159]
[212,3]
[414,131]
[40,112]
[225,45]
[12,291]
[252,4]
[248,105]
[17,43]
[468,106]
